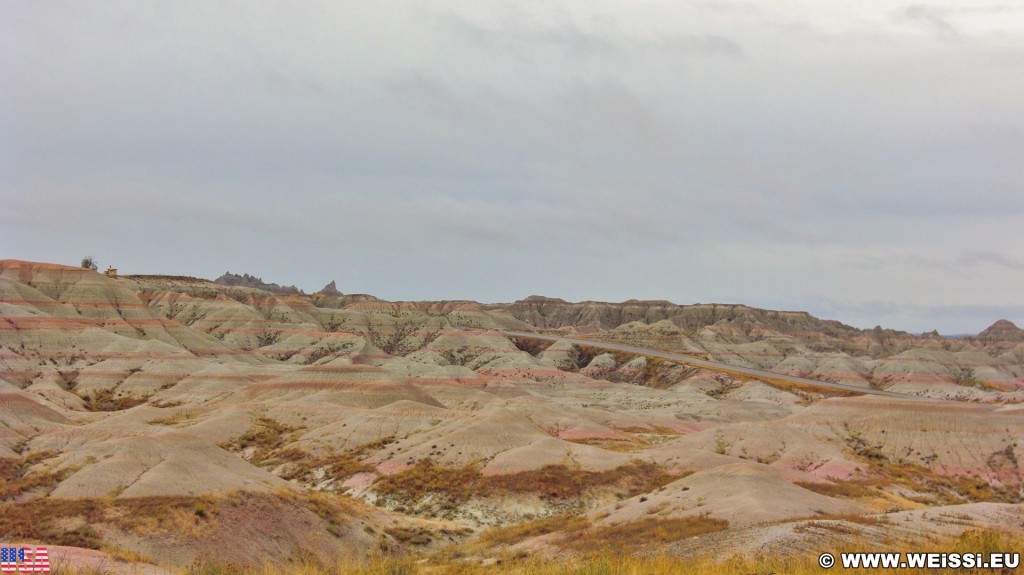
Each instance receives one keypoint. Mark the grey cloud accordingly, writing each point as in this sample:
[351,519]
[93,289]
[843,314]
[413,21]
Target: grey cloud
[980,258]
[521,37]
[489,151]
[929,16]
[525,38]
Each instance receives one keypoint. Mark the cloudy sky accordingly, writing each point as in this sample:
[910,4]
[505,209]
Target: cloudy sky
[863,161]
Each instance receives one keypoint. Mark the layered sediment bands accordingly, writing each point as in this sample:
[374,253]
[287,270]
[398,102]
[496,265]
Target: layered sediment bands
[232,403]
[545,312]
[1002,330]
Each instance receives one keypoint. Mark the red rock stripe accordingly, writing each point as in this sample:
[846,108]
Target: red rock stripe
[93,304]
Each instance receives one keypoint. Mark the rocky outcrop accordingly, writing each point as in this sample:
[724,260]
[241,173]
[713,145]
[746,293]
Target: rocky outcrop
[246,280]
[330,289]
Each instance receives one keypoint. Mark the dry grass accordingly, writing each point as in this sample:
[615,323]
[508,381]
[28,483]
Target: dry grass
[577,535]
[561,482]
[411,535]
[942,489]
[84,522]
[17,478]
[73,521]
[191,516]
[656,373]
[452,486]
[105,400]
[53,521]
[267,439]
[266,436]
[127,556]
[641,534]
[179,418]
[638,438]
[834,522]
[503,536]
[931,487]
[333,510]
[601,563]
[890,475]
[844,489]
[834,517]
[307,469]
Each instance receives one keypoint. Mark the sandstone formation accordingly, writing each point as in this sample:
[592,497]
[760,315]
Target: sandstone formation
[166,411]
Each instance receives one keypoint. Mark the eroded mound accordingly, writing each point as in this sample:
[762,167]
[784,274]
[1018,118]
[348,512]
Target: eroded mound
[170,416]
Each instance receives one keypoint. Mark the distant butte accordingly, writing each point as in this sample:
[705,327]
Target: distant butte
[1003,330]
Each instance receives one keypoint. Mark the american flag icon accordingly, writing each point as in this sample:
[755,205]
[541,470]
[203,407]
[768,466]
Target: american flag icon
[24,560]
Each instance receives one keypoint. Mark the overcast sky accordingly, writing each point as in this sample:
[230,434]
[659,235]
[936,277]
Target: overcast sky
[863,161]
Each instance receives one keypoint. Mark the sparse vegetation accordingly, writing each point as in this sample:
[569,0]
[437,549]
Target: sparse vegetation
[510,535]
[600,562]
[725,387]
[402,337]
[263,439]
[110,400]
[86,522]
[881,382]
[841,489]
[644,533]
[935,488]
[531,345]
[265,445]
[580,535]
[453,486]
[176,419]
[930,486]
[902,454]
[17,478]
[323,351]
[459,356]
[655,371]
[73,521]
[309,469]
[966,377]
[411,535]
[862,448]
[266,336]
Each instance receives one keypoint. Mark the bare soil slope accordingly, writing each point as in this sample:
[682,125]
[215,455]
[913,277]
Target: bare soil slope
[168,416]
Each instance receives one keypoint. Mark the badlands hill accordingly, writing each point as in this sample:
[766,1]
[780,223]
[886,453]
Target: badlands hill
[543,312]
[176,417]
[1002,330]
[797,343]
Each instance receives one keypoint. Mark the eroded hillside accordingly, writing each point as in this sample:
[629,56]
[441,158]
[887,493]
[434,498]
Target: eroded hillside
[169,415]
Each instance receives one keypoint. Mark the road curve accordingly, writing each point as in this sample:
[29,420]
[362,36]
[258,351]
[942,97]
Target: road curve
[685,359]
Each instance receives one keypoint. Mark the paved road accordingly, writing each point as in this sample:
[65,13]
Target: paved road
[685,359]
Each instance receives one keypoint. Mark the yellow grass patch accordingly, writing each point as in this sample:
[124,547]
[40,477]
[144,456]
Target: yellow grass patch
[603,563]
